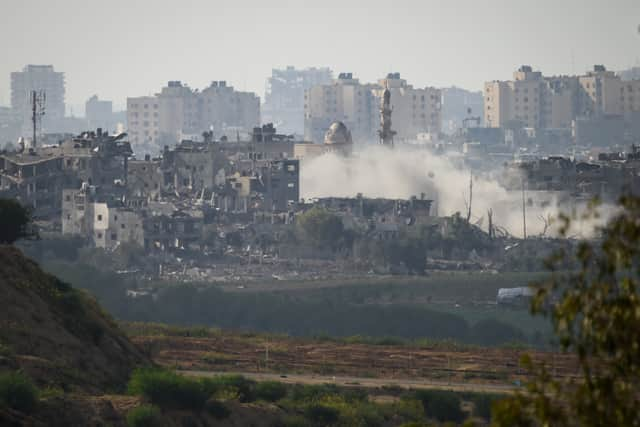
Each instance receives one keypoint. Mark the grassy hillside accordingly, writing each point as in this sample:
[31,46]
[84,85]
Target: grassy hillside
[57,334]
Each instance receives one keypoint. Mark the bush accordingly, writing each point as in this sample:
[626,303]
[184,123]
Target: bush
[482,403]
[321,415]
[243,387]
[15,220]
[441,405]
[144,416]
[217,409]
[271,391]
[168,389]
[18,392]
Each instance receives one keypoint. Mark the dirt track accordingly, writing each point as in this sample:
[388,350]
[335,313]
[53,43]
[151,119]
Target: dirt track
[362,382]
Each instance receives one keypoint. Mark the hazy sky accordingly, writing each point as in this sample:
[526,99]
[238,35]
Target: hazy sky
[123,48]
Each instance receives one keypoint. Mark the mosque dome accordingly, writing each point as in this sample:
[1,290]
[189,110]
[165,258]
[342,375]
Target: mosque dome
[338,134]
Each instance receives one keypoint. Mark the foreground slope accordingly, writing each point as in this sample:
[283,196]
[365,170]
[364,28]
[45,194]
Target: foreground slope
[57,334]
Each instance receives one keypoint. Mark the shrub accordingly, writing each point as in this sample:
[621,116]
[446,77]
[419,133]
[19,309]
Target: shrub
[294,421]
[482,403]
[15,221]
[217,409]
[18,392]
[244,388]
[441,405]
[168,389]
[144,416]
[321,415]
[306,393]
[5,350]
[369,414]
[271,391]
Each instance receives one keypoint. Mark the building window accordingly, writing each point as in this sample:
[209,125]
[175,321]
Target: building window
[114,236]
[99,235]
[122,225]
[99,217]
[115,217]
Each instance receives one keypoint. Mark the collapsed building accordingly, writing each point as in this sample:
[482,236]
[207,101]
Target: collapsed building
[107,222]
[37,176]
[379,217]
[164,202]
[607,178]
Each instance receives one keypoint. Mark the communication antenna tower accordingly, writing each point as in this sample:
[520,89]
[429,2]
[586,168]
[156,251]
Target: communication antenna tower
[38,101]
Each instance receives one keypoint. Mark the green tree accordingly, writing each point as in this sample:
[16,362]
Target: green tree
[15,221]
[144,416]
[593,301]
[18,392]
[321,228]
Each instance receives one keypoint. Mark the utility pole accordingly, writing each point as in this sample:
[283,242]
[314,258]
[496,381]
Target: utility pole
[490,229]
[470,196]
[524,212]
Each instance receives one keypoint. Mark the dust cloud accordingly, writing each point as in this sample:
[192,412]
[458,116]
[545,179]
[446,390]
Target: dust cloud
[400,173]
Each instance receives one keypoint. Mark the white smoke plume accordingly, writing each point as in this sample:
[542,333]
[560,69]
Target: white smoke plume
[399,173]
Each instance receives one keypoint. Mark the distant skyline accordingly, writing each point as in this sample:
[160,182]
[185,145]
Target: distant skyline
[124,48]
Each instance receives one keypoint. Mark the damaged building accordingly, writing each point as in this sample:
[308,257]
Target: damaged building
[383,218]
[37,176]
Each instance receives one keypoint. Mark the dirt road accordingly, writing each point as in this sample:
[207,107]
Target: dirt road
[361,382]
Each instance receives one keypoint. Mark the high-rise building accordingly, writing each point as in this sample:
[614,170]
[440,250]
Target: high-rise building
[460,106]
[535,101]
[99,114]
[39,78]
[142,122]
[284,96]
[357,105]
[632,73]
[178,112]
[345,100]
[225,109]
[415,111]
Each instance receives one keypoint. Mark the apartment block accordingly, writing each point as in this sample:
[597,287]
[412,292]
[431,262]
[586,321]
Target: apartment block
[284,96]
[344,100]
[39,78]
[178,112]
[415,110]
[535,101]
[99,114]
[143,118]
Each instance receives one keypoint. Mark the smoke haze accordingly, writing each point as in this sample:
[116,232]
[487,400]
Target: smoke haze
[377,171]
